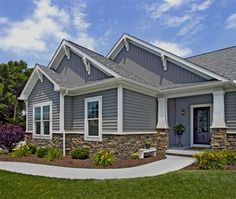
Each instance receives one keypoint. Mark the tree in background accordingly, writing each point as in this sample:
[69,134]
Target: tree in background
[13,77]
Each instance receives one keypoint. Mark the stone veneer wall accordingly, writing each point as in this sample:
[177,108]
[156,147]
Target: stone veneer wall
[231,141]
[122,145]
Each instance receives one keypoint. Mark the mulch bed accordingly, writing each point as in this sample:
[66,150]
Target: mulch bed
[68,162]
[194,167]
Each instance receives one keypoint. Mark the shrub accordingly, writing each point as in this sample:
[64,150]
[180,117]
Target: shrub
[10,135]
[104,158]
[230,156]
[42,152]
[80,154]
[209,160]
[3,152]
[135,156]
[53,154]
[22,151]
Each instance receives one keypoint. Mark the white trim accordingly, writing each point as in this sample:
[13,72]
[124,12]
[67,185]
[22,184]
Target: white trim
[191,123]
[62,122]
[26,115]
[86,135]
[115,50]
[162,113]
[41,128]
[120,109]
[130,133]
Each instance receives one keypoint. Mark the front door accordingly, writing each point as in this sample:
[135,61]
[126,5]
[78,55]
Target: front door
[201,125]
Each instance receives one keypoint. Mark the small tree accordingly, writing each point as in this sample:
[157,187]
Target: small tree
[10,136]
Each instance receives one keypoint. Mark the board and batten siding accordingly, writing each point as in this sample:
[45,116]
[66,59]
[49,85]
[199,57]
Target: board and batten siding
[230,110]
[109,111]
[74,71]
[139,112]
[44,92]
[149,66]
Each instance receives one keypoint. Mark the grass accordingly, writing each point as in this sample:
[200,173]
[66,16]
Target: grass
[181,184]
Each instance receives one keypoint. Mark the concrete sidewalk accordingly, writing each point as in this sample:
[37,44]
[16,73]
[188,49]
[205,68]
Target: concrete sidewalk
[171,163]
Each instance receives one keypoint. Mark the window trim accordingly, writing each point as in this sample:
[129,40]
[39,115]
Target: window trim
[41,105]
[86,135]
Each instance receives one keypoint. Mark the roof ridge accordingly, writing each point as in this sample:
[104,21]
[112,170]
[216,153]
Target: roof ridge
[213,51]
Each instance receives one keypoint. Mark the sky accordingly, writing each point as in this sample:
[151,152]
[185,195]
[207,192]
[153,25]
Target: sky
[32,30]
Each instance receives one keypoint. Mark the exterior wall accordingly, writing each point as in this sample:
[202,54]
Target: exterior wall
[44,92]
[122,145]
[175,107]
[75,72]
[230,110]
[139,111]
[74,115]
[149,66]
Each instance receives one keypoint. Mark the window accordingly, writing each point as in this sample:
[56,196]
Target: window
[93,119]
[42,119]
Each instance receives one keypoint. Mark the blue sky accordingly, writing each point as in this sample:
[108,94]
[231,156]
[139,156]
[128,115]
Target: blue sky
[32,30]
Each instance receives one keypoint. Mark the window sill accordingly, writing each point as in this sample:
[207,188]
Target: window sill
[42,136]
[90,138]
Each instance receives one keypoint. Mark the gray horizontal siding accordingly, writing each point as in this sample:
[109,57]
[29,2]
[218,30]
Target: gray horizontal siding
[109,110]
[44,92]
[175,107]
[230,109]
[149,66]
[74,71]
[139,111]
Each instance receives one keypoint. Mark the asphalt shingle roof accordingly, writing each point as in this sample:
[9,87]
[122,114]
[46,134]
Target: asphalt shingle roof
[222,62]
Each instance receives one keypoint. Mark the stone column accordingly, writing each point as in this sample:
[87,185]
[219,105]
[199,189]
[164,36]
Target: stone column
[218,128]
[162,140]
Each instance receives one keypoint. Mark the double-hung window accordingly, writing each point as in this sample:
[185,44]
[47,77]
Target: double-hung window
[93,118]
[42,119]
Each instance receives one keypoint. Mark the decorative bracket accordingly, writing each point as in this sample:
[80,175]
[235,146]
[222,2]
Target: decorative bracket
[164,62]
[40,75]
[87,65]
[67,51]
[126,44]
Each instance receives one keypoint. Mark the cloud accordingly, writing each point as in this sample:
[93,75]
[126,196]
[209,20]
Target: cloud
[47,25]
[156,10]
[175,21]
[3,20]
[172,47]
[231,21]
[201,6]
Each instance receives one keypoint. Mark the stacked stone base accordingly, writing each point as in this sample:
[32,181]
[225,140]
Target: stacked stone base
[122,145]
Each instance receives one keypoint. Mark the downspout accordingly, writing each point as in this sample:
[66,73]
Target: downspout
[62,122]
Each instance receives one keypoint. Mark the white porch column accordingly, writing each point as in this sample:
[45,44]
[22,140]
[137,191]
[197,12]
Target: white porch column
[120,109]
[162,113]
[26,115]
[62,130]
[218,109]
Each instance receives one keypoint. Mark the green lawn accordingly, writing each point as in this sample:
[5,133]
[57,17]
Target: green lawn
[181,184]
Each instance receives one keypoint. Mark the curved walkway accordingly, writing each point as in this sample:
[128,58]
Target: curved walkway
[171,163]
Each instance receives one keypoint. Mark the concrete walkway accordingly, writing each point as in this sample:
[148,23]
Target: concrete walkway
[171,163]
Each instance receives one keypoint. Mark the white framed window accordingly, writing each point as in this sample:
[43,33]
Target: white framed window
[93,118]
[42,120]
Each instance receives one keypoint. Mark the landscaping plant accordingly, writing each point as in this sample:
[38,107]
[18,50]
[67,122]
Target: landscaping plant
[10,136]
[135,156]
[3,152]
[80,154]
[104,158]
[53,154]
[42,152]
[23,150]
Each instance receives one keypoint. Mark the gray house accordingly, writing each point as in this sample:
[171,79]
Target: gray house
[137,92]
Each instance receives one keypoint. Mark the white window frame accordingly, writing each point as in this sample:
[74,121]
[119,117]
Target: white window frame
[41,135]
[191,123]
[86,135]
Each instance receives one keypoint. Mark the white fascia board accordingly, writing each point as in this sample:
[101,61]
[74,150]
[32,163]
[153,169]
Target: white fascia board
[119,45]
[99,65]
[32,81]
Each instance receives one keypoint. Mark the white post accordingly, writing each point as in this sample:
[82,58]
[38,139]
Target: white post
[218,109]
[162,113]
[120,109]
[62,130]
[26,115]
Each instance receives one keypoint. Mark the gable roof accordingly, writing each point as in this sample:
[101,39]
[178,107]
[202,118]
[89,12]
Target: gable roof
[197,69]
[221,61]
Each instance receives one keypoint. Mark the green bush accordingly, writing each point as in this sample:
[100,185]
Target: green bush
[23,150]
[104,158]
[42,152]
[80,154]
[135,156]
[3,152]
[230,156]
[53,154]
[210,160]
[32,148]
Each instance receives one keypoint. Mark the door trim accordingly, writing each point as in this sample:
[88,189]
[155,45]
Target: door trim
[191,123]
